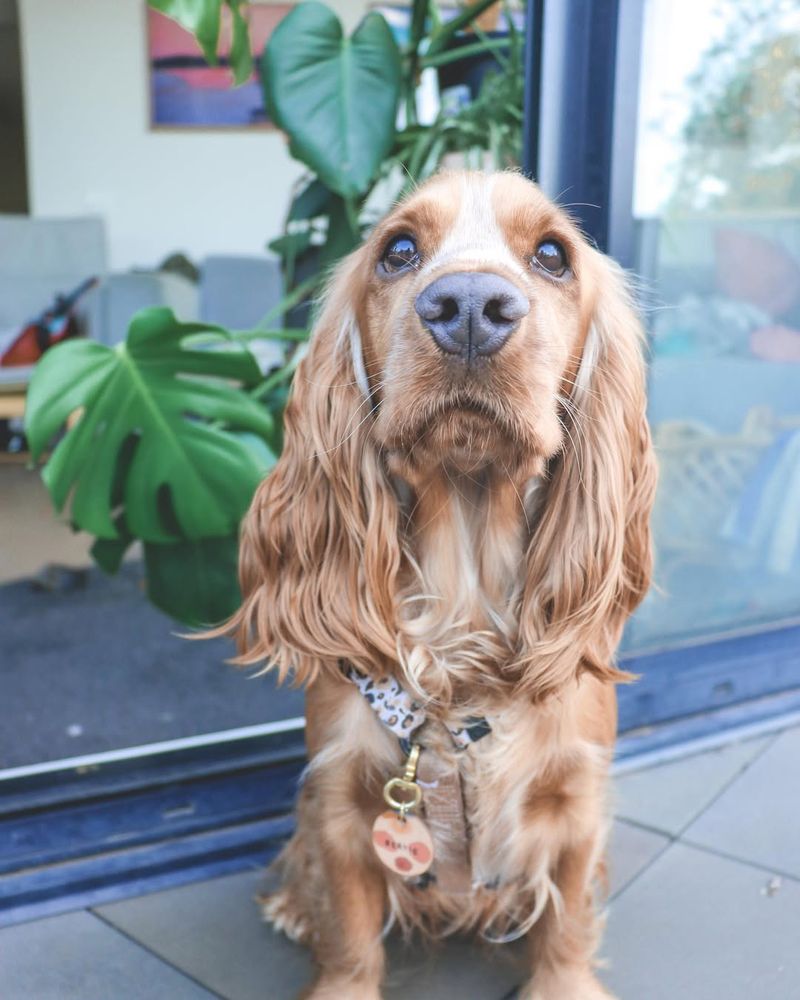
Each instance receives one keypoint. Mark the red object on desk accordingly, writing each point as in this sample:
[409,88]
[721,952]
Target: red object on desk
[54,325]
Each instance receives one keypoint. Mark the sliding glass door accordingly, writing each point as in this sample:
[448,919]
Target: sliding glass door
[671,129]
[716,204]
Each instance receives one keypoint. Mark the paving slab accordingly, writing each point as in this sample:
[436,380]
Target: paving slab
[684,921]
[757,818]
[697,926]
[212,931]
[670,796]
[459,968]
[78,957]
[631,850]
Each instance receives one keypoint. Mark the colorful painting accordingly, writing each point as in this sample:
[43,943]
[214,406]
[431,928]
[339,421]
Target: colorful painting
[185,92]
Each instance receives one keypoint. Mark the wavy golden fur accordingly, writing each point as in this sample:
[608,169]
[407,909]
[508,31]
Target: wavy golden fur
[479,531]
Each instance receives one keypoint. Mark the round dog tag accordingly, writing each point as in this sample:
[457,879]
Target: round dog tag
[403,845]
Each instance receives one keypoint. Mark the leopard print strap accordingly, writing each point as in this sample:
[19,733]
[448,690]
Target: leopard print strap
[403,715]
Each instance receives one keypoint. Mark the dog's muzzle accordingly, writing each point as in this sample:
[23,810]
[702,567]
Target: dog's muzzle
[471,313]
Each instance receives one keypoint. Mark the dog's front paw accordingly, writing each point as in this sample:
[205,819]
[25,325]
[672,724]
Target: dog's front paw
[565,986]
[281,910]
[339,989]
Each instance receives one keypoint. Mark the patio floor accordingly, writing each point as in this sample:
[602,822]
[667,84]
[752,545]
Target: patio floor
[705,865]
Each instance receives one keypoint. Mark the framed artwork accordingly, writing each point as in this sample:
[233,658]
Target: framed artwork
[185,92]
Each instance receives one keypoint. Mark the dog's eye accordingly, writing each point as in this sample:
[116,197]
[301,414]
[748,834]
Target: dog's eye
[551,257]
[400,254]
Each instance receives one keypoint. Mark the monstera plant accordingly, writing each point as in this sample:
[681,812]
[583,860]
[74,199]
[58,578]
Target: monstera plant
[349,108]
[163,439]
[166,441]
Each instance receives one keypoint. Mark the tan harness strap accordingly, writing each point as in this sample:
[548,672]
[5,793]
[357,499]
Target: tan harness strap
[443,803]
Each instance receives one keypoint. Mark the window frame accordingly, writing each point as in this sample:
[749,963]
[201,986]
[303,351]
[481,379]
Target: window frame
[580,143]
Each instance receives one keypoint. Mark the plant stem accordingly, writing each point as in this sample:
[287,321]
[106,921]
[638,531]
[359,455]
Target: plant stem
[290,300]
[294,334]
[440,37]
[493,45]
[274,379]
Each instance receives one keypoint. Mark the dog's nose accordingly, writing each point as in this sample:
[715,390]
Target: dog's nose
[471,313]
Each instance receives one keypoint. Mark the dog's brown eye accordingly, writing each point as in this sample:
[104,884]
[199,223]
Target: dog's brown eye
[400,254]
[552,257]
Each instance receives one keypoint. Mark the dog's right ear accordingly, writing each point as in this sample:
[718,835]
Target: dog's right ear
[590,555]
[319,549]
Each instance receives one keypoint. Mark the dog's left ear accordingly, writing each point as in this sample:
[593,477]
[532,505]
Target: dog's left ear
[590,557]
[319,550]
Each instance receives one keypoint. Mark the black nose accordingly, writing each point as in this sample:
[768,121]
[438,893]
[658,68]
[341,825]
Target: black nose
[471,313]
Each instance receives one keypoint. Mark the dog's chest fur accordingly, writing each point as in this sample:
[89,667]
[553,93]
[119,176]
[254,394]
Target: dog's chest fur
[459,604]
[526,785]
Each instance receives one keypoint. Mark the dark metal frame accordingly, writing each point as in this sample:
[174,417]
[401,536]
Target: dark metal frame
[96,829]
[91,832]
[691,690]
[569,141]
[582,98]
[534,35]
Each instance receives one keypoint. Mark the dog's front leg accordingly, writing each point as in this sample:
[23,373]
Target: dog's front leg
[564,940]
[347,940]
[348,947]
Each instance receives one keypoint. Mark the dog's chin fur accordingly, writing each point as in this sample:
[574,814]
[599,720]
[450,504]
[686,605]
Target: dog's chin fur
[467,430]
[480,535]
[466,437]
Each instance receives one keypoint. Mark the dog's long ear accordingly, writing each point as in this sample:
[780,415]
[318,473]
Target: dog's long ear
[590,558]
[319,550]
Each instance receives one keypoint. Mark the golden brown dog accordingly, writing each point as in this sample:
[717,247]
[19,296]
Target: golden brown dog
[461,505]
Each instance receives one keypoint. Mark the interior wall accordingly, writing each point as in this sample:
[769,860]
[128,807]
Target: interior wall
[13,179]
[91,150]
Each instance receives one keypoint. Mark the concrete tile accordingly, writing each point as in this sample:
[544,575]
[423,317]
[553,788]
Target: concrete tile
[631,849]
[670,796]
[212,931]
[758,817]
[78,957]
[467,969]
[697,926]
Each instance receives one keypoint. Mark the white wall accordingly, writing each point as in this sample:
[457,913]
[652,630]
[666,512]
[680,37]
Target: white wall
[90,149]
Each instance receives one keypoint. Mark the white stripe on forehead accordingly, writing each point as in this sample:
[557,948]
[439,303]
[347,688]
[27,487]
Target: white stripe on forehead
[476,237]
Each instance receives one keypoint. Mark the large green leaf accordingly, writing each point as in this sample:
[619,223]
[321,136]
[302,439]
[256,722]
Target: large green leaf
[202,18]
[195,582]
[336,97]
[159,435]
[311,202]
[343,235]
[108,553]
[291,245]
[240,55]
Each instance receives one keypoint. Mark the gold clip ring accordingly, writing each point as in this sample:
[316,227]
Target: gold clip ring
[409,787]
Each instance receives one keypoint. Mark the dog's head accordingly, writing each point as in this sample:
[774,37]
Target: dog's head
[472,307]
[476,329]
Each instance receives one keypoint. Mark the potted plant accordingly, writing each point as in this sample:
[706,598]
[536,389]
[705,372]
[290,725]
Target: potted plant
[164,438]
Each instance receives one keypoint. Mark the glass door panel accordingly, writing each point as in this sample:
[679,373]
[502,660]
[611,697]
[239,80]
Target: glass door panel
[717,215]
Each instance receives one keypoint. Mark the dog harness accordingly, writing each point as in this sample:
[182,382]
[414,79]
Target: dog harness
[404,715]
[402,841]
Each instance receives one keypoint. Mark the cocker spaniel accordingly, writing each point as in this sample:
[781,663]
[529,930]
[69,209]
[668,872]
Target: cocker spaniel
[445,556]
